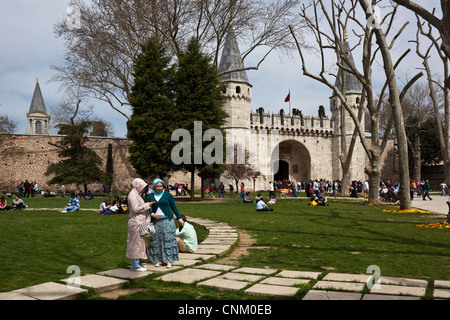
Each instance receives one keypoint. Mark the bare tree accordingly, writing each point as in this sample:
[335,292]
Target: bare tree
[433,21]
[100,53]
[339,16]
[241,170]
[436,88]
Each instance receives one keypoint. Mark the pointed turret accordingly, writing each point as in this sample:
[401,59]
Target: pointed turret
[352,84]
[231,60]
[38,118]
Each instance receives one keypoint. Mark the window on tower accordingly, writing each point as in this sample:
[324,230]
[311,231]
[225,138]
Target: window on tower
[238,89]
[38,127]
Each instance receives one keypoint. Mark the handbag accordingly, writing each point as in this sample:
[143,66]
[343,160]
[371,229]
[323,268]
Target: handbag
[146,229]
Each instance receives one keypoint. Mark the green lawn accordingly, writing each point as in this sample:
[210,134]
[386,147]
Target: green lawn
[39,246]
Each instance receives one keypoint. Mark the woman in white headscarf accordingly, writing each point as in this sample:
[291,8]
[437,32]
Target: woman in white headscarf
[136,244]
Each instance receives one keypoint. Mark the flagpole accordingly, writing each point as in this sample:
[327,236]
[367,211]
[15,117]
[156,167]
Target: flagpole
[289,102]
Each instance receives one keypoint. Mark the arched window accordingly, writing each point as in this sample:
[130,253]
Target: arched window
[238,89]
[357,100]
[38,127]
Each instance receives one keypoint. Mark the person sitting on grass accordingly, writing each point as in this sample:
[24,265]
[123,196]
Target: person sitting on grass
[105,208]
[313,200]
[247,198]
[322,200]
[186,237]
[73,205]
[261,206]
[3,204]
[89,196]
[18,204]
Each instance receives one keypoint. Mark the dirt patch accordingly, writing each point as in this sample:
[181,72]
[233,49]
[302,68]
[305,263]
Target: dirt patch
[241,249]
[120,292]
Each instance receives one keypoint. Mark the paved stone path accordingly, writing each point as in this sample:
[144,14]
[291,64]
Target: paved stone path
[195,269]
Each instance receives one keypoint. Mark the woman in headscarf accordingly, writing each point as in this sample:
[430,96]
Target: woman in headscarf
[136,244]
[163,244]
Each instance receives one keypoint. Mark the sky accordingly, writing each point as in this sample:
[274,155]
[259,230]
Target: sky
[29,48]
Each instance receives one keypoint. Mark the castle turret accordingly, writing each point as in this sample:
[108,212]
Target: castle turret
[239,90]
[38,118]
[348,85]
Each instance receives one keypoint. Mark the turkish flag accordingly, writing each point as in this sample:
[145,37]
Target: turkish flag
[288,98]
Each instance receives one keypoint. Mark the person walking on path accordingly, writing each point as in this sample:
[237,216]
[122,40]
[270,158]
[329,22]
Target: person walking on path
[136,244]
[163,245]
[426,190]
[443,186]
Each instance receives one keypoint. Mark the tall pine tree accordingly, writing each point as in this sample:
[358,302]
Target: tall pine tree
[152,100]
[199,97]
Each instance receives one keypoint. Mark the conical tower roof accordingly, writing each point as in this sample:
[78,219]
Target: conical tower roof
[231,60]
[37,103]
[352,84]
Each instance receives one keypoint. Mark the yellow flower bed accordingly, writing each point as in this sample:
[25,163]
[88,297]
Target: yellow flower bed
[444,225]
[406,211]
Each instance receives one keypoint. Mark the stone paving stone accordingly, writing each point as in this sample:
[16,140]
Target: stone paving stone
[51,291]
[272,290]
[284,281]
[189,275]
[404,282]
[195,256]
[124,273]
[442,284]
[399,290]
[213,249]
[186,262]
[219,241]
[256,271]
[387,297]
[441,293]
[14,296]
[216,267]
[97,282]
[241,276]
[335,285]
[347,277]
[224,284]
[331,295]
[299,274]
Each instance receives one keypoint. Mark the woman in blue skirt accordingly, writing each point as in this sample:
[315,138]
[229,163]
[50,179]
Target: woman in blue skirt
[163,245]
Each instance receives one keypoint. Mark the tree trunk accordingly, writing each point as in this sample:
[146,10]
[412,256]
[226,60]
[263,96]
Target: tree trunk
[345,182]
[374,174]
[192,182]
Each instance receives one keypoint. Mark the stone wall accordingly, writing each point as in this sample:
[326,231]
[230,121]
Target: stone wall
[26,157]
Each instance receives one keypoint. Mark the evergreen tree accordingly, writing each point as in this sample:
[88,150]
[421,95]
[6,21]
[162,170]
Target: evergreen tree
[109,174]
[151,124]
[80,164]
[199,97]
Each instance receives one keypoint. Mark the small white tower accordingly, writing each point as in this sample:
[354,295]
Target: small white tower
[38,118]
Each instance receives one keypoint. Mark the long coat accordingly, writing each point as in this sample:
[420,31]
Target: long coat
[136,244]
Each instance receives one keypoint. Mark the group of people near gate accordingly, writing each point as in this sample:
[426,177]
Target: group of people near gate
[158,208]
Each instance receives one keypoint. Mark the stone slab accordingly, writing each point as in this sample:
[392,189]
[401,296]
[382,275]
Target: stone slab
[256,271]
[335,285]
[124,273]
[347,277]
[399,290]
[96,282]
[195,256]
[224,284]
[441,293]
[404,282]
[331,295]
[442,284]
[51,291]
[388,297]
[14,296]
[284,281]
[218,250]
[189,275]
[163,269]
[272,290]
[299,274]
[241,276]
[219,242]
[216,267]
[187,262]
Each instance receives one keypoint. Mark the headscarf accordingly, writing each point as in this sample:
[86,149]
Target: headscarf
[154,187]
[138,184]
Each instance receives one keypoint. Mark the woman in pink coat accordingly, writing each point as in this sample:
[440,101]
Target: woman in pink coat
[136,244]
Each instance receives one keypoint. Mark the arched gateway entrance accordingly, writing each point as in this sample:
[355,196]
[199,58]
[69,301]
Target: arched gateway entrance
[294,162]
